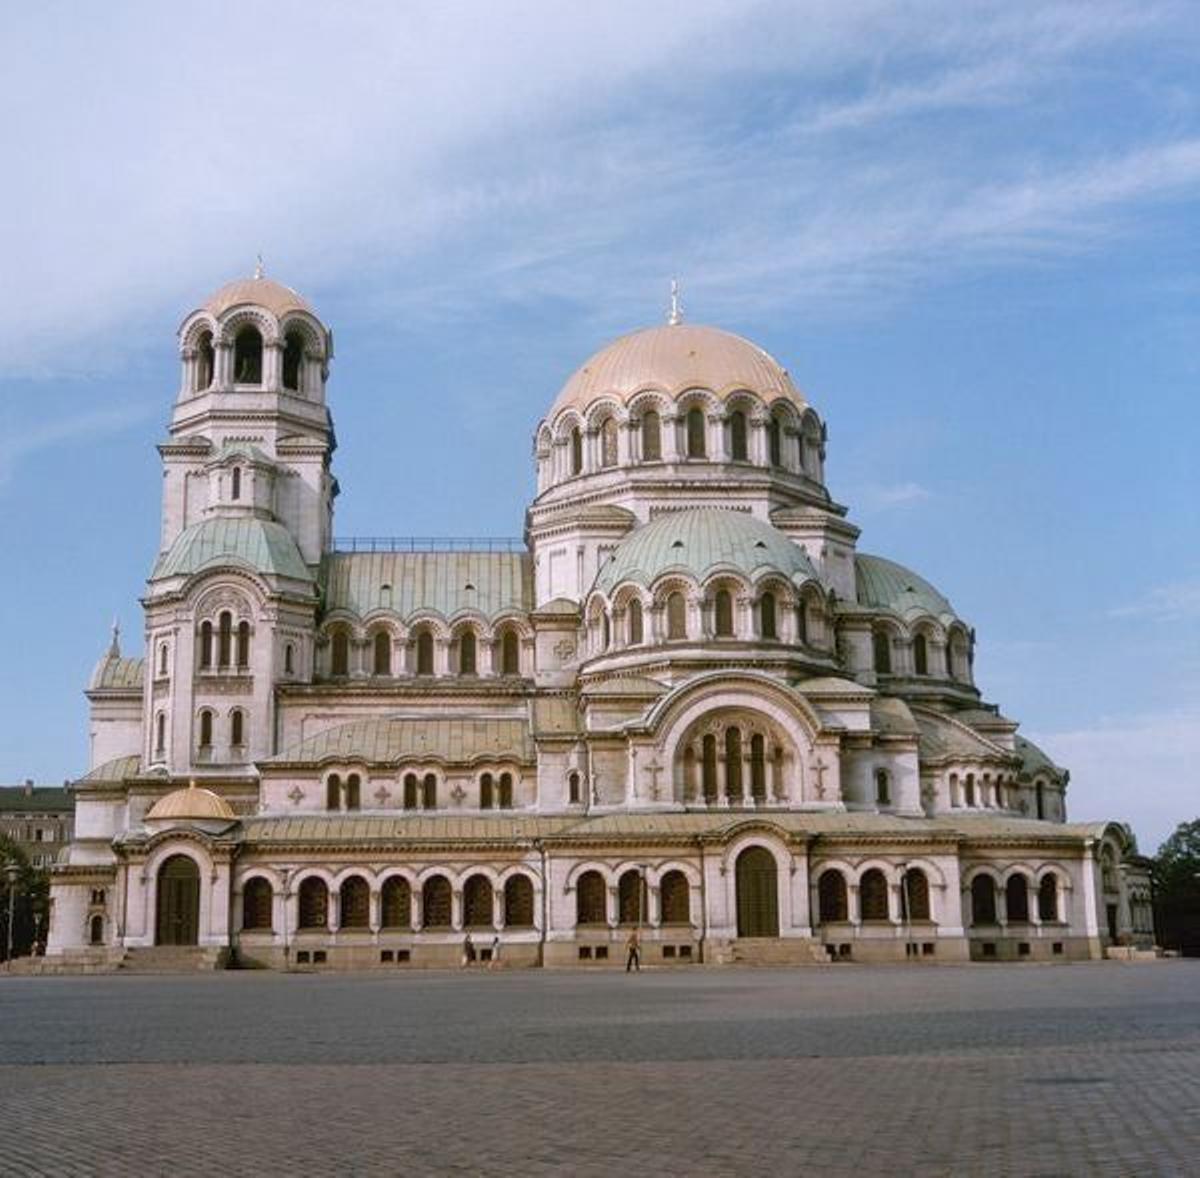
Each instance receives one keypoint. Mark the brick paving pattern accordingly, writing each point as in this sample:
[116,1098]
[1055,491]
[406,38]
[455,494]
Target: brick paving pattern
[1021,1070]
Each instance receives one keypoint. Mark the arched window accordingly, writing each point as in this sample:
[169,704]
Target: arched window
[293,356]
[576,451]
[395,903]
[708,767]
[737,436]
[758,768]
[160,733]
[424,653]
[355,903]
[225,639]
[235,487]
[675,898]
[775,441]
[204,362]
[832,904]
[411,791]
[1039,791]
[435,902]
[635,622]
[466,653]
[921,655]
[983,900]
[506,791]
[766,616]
[969,790]
[206,729]
[873,895]
[289,659]
[243,645]
[237,728]
[518,902]
[733,763]
[605,632]
[573,790]
[247,356]
[206,646]
[1016,899]
[1048,897]
[695,433]
[429,792]
[802,624]
[882,644]
[629,898]
[608,442]
[724,613]
[353,792]
[162,659]
[651,436]
[883,788]
[590,906]
[914,893]
[382,652]
[510,653]
[256,903]
[477,902]
[486,792]
[96,927]
[333,792]
[676,616]
[313,903]
[340,654]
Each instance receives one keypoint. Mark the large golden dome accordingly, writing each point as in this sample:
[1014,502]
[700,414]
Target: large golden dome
[672,359]
[257,292]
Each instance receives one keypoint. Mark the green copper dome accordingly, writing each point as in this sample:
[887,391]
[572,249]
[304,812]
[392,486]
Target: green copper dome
[883,584]
[700,542]
[264,546]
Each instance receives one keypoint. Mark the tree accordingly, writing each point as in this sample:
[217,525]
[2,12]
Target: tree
[1176,873]
[29,903]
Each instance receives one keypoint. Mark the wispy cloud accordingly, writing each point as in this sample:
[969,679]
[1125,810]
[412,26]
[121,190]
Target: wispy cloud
[1175,602]
[881,497]
[19,444]
[1138,768]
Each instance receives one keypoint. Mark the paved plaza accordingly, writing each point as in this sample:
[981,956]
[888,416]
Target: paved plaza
[1088,1069]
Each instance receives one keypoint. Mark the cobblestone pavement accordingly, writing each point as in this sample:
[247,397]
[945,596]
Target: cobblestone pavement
[1025,1070]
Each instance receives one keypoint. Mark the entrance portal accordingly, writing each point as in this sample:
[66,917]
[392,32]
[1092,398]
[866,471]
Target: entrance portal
[178,916]
[757,894]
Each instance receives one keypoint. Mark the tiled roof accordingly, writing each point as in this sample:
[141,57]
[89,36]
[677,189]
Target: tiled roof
[38,799]
[490,583]
[263,545]
[1034,760]
[943,737]
[118,769]
[389,739]
[883,584]
[700,541]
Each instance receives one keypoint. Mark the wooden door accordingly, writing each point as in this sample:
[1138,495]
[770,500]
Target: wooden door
[178,916]
[757,894]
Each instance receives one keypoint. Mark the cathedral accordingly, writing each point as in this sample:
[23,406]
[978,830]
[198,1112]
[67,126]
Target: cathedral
[685,703]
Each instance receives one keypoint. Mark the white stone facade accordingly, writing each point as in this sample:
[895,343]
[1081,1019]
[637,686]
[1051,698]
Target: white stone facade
[686,704]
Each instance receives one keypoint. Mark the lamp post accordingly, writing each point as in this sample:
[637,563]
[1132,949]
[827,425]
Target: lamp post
[12,872]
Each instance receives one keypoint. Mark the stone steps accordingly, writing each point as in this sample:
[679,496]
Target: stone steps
[175,959]
[770,951]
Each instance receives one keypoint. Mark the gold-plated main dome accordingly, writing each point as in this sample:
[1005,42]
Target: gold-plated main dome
[258,292]
[191,803]
[672,359]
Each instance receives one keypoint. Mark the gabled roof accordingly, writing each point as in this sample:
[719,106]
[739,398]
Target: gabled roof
[262,545]
[944,738]
[490,583]
[387,740]
[35,799]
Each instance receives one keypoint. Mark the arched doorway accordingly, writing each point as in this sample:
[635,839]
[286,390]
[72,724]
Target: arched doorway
[178,916]
[757,894]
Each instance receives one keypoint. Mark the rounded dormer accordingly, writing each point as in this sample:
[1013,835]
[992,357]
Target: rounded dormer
[255,335]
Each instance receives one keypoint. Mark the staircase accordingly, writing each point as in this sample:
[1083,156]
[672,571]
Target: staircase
[175,959]
[770,951]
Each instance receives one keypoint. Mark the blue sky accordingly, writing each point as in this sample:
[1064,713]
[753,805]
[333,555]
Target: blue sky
[970,231]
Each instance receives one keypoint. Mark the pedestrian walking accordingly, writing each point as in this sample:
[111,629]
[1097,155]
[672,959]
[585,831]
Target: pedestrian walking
[494,963]
[633,952]
[468,953]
